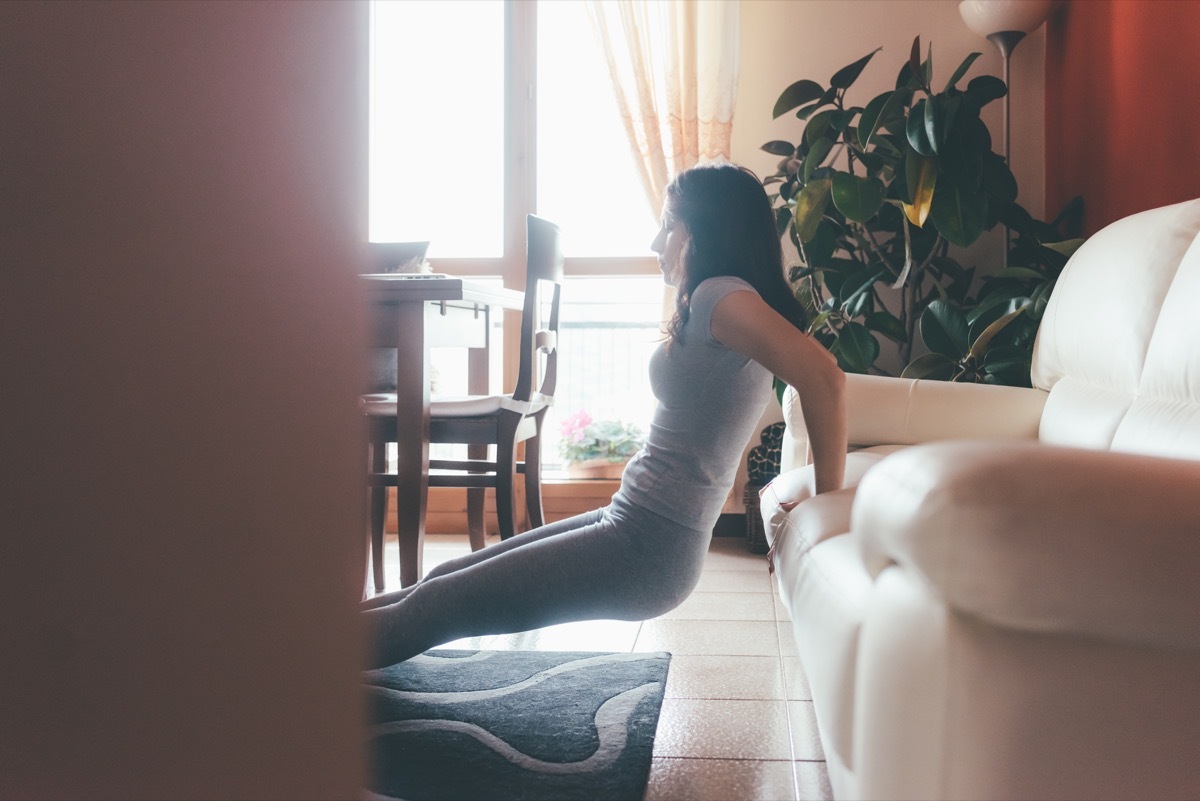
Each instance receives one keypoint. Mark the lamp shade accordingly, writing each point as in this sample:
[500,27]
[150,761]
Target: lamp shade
[986,17]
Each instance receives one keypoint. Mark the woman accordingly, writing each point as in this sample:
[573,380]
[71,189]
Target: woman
[736,323]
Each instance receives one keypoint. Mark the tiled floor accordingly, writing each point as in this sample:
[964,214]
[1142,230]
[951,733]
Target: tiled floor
[737,721]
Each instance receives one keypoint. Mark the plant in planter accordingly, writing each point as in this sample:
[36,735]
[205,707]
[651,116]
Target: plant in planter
[597,449]
[874,196]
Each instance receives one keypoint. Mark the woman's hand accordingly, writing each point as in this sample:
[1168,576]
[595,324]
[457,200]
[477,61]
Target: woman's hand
[743,321]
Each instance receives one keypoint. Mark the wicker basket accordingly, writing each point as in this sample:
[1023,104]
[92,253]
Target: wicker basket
[756,536]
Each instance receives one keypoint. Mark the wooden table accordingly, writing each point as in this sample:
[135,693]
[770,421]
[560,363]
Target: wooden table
[413,314]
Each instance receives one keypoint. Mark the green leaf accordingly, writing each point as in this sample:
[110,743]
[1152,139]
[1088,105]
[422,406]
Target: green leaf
[840,119]
[859,288]
[1039,299]
[1009,365]
[980,346]
[796,95]
[848,74]
[810,205]
[857,198]
[856,347]
[914,58]
[915,129]
[998,179]
[947,109]
[817,126]
[958,214]
[783,216]
[944,329]
[804,111]
[887,324]
[818,251]
[1066,247]
[778,147]
[920,178]
[930,366]
[930,119]
[986,88]
[962,70]
[1020,272]
[818,322]
[816,155]
[868,122]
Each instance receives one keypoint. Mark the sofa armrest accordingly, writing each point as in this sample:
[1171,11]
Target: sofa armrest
[904,411]
[1043,539]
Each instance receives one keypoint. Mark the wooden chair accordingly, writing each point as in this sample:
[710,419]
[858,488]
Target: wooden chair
[487,422]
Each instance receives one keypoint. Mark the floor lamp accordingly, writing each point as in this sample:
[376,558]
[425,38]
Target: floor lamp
[1005,23]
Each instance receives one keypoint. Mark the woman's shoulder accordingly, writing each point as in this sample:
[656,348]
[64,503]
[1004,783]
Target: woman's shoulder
[719,286]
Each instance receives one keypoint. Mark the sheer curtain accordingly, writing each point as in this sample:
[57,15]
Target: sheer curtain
[674,68]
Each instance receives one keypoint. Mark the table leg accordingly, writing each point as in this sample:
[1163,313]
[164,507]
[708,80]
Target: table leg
[412,438]
[478,366]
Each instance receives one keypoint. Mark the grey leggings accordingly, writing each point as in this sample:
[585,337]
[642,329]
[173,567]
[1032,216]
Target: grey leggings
[621,562]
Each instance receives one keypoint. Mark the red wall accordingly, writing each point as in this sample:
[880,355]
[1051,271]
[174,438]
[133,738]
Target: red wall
[1122,106]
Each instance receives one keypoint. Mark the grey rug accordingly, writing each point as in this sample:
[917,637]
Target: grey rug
[514,725]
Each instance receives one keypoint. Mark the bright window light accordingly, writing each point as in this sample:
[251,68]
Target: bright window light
[437,125]
[587,178]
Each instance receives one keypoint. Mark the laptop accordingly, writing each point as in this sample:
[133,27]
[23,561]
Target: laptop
[400,259]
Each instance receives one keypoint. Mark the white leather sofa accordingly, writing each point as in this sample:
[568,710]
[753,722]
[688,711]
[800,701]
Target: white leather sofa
[1004,602]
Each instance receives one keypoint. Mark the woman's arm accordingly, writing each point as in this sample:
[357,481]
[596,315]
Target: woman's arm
[744,322]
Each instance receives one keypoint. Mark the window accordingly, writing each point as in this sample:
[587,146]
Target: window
[459,155]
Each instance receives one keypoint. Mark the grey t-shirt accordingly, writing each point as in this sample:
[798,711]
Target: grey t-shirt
[710,399]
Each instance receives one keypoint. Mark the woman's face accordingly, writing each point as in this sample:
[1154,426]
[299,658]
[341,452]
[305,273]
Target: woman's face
[669,245]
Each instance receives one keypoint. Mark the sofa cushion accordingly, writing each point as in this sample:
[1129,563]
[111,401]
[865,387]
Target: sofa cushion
[829,588]
[1042,539]
[1119,334]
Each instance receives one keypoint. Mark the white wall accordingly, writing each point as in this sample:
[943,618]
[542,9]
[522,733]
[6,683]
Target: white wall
[181,505]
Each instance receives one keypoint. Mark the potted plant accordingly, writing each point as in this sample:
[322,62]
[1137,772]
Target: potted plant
[597,449]
[873,197]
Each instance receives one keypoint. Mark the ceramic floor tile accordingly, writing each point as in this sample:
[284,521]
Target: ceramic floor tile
[617,636]
[787,639]
[724,606]
[734,581]
[781,610]
[806,740]
[812,782]
[725,677]
[719,637]
[674,779]
[731,553]
[706,729]
[794,680]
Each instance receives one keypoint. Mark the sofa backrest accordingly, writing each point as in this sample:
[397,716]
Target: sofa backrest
[1119,346]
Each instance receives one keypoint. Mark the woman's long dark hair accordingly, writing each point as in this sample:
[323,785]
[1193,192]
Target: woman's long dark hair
[731,231]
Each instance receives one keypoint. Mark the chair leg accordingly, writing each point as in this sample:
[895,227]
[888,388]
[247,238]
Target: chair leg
[378,515]
[533,477]
[506,460]
[475,518]
[476,530]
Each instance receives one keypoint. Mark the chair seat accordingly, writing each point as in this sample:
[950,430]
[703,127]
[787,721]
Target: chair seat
[384,404]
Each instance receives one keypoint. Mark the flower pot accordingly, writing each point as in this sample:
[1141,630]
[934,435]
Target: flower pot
[595,468]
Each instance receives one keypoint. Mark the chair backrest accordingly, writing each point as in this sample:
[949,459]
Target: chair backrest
[539,320]
[1119,345]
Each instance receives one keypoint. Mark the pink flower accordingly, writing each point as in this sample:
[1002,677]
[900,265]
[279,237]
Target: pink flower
[572,427]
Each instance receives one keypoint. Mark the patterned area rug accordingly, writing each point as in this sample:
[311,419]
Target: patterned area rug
[514,725]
